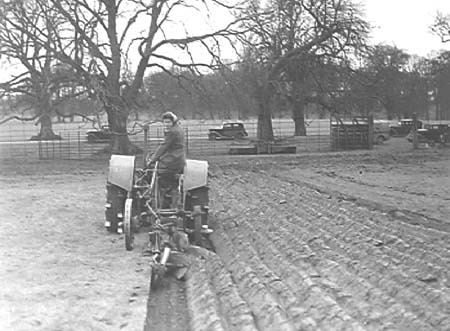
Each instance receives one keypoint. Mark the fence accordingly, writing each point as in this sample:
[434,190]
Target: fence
[353,133]
[15,143]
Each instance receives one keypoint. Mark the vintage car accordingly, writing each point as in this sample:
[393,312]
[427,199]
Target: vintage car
[381,131]
[228,131]
[433,134]
[102,135]
[404,127]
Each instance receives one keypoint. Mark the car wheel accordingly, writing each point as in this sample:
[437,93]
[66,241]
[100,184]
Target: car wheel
[380,140]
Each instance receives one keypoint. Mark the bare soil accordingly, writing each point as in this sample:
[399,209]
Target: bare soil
[334,241]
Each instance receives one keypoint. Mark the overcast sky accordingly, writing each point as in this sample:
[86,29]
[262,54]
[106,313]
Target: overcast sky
[405,23]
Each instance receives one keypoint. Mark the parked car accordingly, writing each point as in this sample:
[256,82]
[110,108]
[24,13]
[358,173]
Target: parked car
[101,135]
[404,127]
[228,131]
[433,134]
[381,131]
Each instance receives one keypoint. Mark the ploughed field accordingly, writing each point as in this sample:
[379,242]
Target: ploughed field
[343,241]
[338,241]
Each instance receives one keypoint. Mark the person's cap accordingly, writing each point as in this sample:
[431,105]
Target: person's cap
[169,115]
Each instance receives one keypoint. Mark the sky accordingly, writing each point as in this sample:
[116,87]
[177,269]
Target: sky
[405,23]
[401,23]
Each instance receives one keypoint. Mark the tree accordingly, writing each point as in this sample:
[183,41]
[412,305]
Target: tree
[441,27]
[36,85]
[386,75]
[439,84]
[286,34]
[112,43]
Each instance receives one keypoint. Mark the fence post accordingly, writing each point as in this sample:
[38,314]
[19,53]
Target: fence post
[370,133]
[60,147]
[79,145]
[68,144]
[40,150]
[187,140]
[414,128]
[53,149]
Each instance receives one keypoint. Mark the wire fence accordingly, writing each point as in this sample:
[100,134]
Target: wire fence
[15,140]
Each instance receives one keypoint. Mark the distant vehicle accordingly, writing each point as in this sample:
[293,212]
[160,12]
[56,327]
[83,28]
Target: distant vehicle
[381,131]
[404,127]
[228,131]
[102,135]
[433,134]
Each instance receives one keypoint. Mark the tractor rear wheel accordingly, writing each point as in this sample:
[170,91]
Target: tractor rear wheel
[115,199]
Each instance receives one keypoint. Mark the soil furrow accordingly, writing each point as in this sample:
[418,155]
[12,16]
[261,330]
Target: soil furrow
[233,308]
[306,283]
[434,238]
[355,294]
[268,314]
[171,294]
[329,211]
[389,281]
[394,247]
[201,300]
[378,271]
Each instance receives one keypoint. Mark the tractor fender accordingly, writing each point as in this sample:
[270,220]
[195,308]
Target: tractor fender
[121,171]
[195,174]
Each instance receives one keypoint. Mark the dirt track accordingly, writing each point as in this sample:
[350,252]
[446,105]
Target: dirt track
[343,241]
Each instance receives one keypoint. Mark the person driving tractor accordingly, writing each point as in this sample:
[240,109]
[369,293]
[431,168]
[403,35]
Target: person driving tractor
[170,153]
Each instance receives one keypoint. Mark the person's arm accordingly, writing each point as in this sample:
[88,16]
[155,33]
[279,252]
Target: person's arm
[164,147]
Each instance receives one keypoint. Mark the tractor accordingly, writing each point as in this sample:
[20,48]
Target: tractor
[174,207]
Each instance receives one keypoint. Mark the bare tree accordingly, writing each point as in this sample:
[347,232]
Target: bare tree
[112,43]
[285,33]
[38,79]
[441,27]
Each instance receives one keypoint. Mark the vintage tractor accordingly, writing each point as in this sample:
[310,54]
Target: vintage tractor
[174,207]
[136,196]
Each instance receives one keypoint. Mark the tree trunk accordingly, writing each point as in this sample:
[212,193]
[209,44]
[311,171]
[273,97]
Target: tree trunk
[264,129]
[298,103]
[120,143]
[46,130]
[299,118]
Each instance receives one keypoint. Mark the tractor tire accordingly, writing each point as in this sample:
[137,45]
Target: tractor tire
[128,225]
[115,201]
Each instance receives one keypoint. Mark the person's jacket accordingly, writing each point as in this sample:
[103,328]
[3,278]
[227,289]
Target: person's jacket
[170,153]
